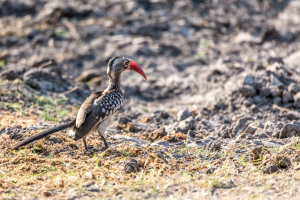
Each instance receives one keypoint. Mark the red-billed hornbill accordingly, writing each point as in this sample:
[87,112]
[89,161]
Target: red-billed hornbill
[98,110]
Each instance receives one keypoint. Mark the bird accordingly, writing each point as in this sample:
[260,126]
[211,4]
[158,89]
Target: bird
[97,112]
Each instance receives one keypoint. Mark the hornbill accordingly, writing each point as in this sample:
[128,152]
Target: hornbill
[98,110]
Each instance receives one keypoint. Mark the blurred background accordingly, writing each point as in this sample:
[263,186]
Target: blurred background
[194,52]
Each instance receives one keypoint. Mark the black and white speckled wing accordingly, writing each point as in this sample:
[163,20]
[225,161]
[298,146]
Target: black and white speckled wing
[86,107]
[104,106]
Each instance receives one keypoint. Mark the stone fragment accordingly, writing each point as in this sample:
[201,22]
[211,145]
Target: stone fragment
[247,90]
[183,114]
[191,135]
[286,97]
[297,100]
[248,80]
[290,129]
[214,145]
[242,124]
[293,88]
[277,100]
[271,168]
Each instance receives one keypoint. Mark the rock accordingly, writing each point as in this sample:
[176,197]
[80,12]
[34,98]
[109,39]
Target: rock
[214,145]
[248,80]
[191,135]
[266,91]
[88,75]
[161,143]
[273,129]
[182,126]
[8,74]
[292,60]
[297,100]
[130,166]
[241,125]
[247,90]
[275,82]
[282,161]
[124,120]
[257,99]
[286,97]
[256,152]
[274,91]
[290,129]
[44,79]
[293,88]
[277,100]
[163,115]
[183,114]
[271,168]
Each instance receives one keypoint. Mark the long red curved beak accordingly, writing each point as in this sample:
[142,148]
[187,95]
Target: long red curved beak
[136,68]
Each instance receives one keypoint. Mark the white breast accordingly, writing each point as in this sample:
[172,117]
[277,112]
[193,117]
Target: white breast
[105,123]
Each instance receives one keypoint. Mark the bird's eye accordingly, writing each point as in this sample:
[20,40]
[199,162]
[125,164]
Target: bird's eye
[126,63]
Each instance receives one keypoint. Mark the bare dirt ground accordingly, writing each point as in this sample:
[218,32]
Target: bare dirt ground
[218,117]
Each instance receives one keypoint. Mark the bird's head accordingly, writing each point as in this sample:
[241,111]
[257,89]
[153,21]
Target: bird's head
[119,64]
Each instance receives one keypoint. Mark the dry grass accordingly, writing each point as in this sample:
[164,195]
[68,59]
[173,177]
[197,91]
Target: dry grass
[57,166]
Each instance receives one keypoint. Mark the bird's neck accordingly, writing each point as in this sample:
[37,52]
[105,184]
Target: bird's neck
[113,84]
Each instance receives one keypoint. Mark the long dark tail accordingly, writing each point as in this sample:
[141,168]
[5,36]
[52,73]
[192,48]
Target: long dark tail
[44,134]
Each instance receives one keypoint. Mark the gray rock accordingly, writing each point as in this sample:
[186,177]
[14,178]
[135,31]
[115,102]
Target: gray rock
[274,91]
[242,124]
[247,90]
[297,100]
[249,80]
[214,145]
[191,135]
[266,91]
[161,143]
[182,126]
[290,129]
[277,100]
[257,99]
[45,80]
[272,128]
[293,88]
[183,114]
[275,81]
[286,97]
[271,168]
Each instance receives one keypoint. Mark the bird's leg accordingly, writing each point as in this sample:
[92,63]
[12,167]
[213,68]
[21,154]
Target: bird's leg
[84,143]
[104,140]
